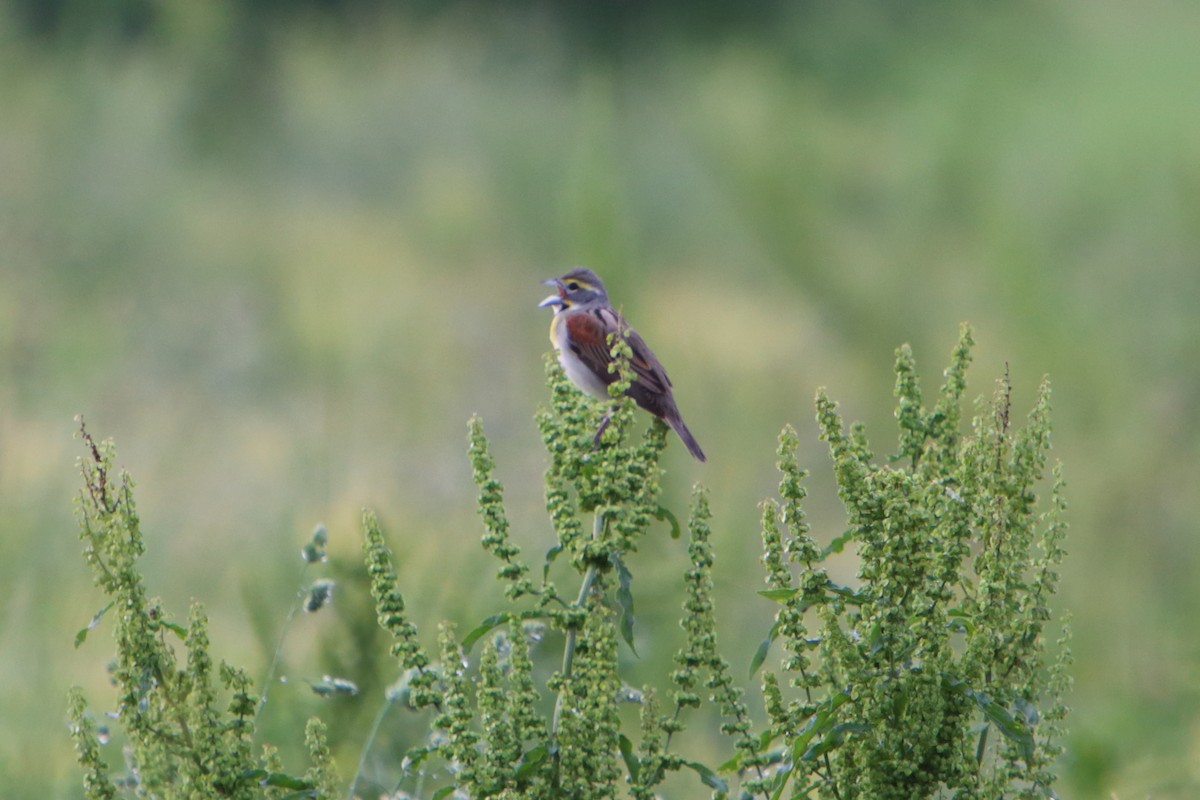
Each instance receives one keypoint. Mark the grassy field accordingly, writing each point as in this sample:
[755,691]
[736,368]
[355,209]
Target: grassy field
[282,265]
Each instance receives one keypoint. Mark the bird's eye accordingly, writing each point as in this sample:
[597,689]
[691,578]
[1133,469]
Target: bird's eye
[572,286]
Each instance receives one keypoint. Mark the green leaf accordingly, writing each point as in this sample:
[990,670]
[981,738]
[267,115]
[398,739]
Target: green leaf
[779,595]
[81,637]
[760,655]
[834,739]
[174,627]
[780,781]
[278,780]
[846,593]
[624,600]
[631,760]
[551,554]
[416,757]
[805,791]
[960,621]
[707,776]
[1010,727]
[821,722]
[1027,710]
[783,595]
[489,624]
[774,758]
[445,791]
[282,781]
[531,760]
[837,545]
[662,513]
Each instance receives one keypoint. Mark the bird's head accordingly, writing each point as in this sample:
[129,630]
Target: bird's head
[578,287]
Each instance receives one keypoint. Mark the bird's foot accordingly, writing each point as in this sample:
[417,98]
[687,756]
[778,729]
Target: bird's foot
[600,431]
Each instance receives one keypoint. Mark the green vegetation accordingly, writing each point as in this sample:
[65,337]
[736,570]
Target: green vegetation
[181,742]
[280,256]
[929,676]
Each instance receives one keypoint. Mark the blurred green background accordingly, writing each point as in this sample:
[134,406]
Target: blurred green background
[282,251]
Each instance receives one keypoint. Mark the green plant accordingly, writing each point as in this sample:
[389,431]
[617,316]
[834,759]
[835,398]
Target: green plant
[929,676]
[182,741]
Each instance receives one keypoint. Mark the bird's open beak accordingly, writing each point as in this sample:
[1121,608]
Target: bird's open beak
[555,299]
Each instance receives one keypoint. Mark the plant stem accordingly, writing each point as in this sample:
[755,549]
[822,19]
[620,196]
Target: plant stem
[362,759]
[270,676]
[589,579]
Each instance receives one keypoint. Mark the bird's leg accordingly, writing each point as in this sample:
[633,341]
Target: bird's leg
[603,426]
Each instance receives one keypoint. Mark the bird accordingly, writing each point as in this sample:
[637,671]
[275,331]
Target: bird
[583,319]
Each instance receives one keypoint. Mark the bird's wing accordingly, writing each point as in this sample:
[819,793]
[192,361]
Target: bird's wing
[589,332]
[588,339]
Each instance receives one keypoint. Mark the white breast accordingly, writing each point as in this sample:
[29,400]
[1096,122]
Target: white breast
[573,365]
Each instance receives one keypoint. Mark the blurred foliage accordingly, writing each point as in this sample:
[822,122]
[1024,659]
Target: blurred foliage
[599,26]
[282,255]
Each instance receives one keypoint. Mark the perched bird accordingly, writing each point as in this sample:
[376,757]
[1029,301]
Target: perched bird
[583,319]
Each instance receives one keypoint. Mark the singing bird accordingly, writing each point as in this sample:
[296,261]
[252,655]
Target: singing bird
[583,319]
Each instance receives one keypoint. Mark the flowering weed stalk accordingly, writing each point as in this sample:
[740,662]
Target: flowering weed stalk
[932,674]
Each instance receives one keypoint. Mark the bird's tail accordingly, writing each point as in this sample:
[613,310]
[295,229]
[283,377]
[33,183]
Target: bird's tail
[673,419]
